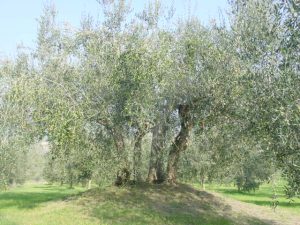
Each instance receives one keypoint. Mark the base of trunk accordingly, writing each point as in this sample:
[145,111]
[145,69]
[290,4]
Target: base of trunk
[123,176]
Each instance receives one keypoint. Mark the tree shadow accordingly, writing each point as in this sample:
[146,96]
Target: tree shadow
[237,192]
[280,203]
[29,200]
[263,202]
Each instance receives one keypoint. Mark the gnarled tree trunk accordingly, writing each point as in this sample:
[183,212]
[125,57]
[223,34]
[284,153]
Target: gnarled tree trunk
[123,174]
[120,146]
[137,155]
[116,133]
[181,142]
[156,172]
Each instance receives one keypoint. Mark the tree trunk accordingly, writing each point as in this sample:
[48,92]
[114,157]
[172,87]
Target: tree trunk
[202,180]
[156,172]
[137,155]
[116,133]
[70,173]
[71,182]
[90,184]
[119,141]
[181,142]
[123,174]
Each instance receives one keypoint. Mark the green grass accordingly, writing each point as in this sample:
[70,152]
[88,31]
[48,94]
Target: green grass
[143,204]
[262,196]
[31,196]
[40,205]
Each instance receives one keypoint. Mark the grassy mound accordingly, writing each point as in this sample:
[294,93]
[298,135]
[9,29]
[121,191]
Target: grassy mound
[138,204]
[158,204]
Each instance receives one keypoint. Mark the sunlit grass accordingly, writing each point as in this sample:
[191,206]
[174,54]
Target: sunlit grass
[31,196]
[40,205]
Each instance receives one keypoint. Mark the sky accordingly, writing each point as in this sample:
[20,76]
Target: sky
[18,19]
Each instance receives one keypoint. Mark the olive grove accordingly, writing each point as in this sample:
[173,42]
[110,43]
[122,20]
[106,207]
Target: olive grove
[149,97]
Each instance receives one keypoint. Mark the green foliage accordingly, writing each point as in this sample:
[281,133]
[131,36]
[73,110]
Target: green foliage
[270,93]
[246,183]
[95,93]
[253,170]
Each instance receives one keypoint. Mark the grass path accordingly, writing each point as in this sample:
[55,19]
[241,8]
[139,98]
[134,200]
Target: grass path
[262,197]
[54,205]
[278,217]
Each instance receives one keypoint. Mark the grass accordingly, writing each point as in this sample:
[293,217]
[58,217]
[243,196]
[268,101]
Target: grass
[156,204]
[35,204]
[40,205]
[263,196]
[31,196]
[55,205]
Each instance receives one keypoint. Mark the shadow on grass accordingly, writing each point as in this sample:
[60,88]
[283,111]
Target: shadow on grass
[268,203]
[236,192]
[160,204]
[32,199]
[263,202]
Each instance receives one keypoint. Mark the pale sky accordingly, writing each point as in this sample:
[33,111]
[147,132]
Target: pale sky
[18,18]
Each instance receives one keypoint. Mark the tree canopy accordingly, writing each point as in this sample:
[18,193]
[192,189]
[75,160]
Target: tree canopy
[145,96]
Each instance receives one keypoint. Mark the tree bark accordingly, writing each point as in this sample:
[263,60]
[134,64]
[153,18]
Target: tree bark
[116,133]
[156,172]
[118,138]
[202,181]
[123,174]
[137,155]
[90,184]
[71,179]
[180,143]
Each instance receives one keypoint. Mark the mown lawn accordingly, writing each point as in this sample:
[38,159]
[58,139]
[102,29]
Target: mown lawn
[263,196]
